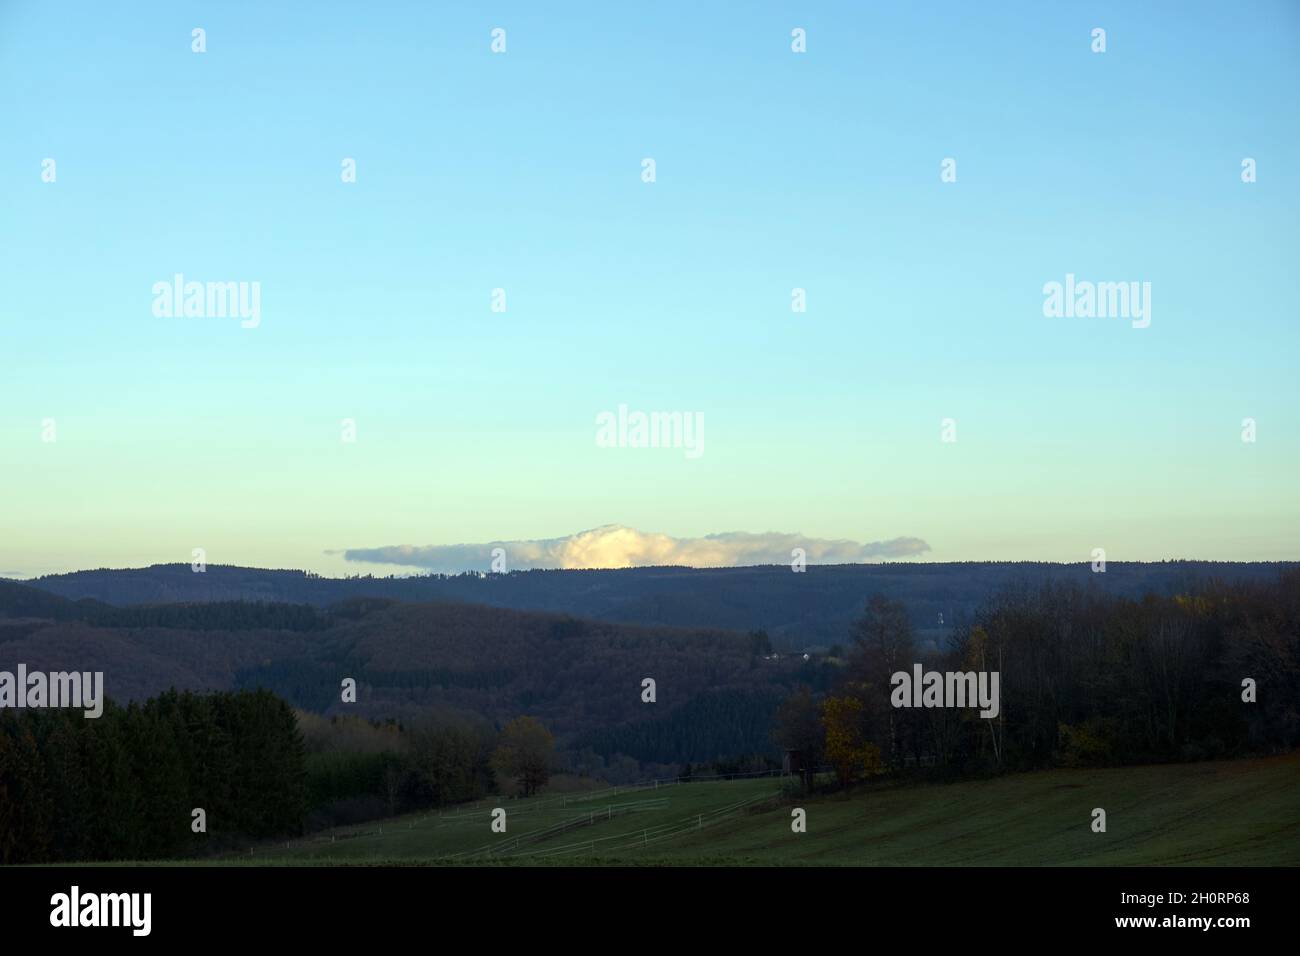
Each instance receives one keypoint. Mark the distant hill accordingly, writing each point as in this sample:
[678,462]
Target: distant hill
[814,608]
[582,678]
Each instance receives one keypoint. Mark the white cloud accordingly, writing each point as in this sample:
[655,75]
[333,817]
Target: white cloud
[615,546]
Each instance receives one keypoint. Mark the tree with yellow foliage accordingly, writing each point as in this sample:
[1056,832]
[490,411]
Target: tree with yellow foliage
[847,747]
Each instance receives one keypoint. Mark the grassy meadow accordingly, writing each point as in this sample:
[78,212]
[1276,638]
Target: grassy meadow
[1239,813]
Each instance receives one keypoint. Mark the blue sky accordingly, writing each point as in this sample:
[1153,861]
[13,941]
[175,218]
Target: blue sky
[522,171]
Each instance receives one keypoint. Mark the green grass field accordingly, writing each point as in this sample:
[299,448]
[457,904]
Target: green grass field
[1243,813]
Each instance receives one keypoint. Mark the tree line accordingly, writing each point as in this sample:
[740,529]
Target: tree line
[1086,679]
[124,786]
[359,769]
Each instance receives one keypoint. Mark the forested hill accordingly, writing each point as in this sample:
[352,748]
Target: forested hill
[490,664]
[18,600]
[813,608]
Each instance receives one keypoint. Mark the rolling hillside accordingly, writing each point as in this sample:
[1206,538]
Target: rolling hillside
[1238,813]
[582,678]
